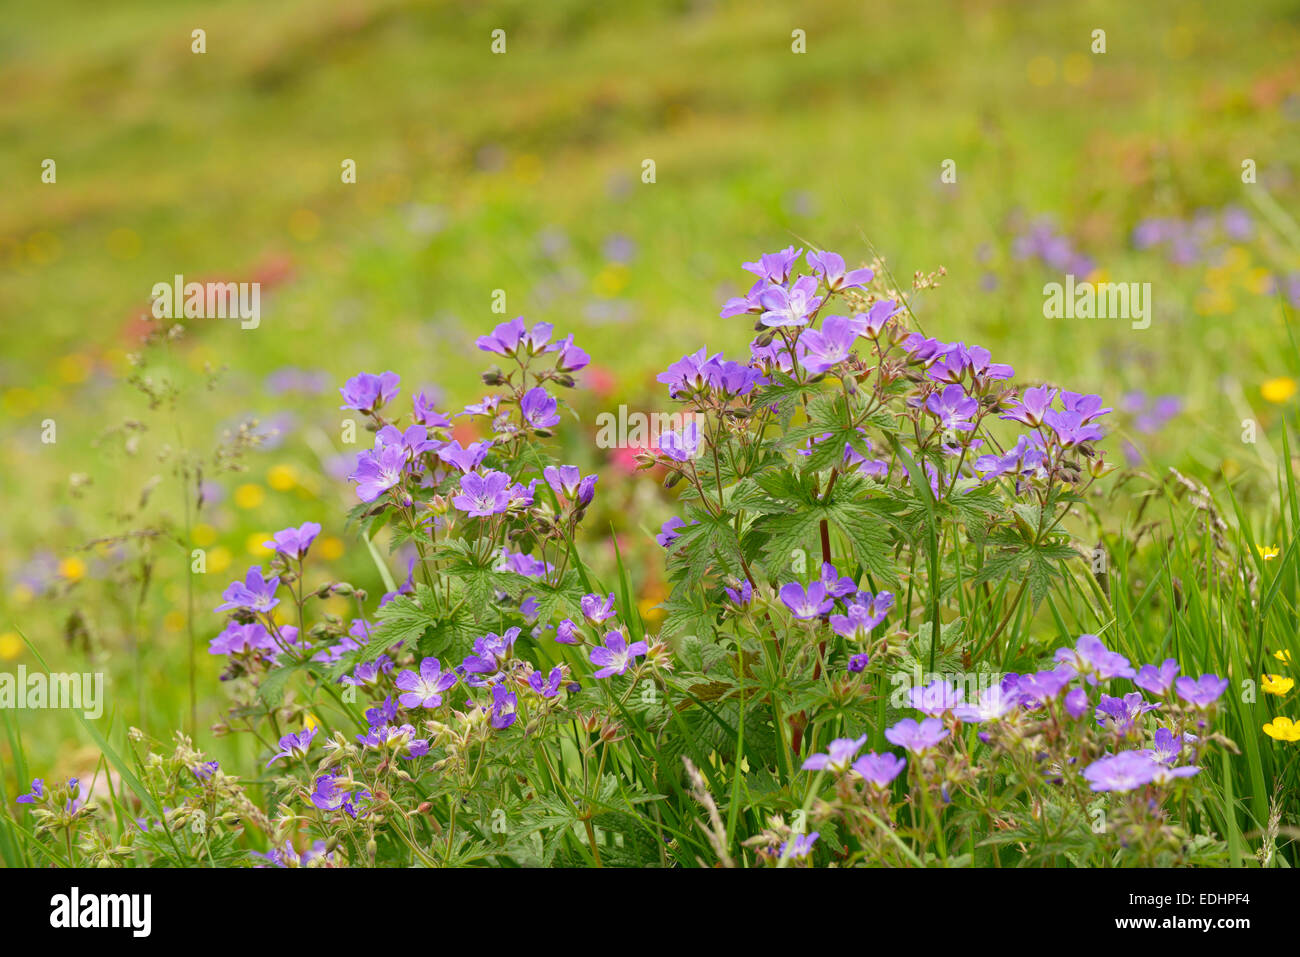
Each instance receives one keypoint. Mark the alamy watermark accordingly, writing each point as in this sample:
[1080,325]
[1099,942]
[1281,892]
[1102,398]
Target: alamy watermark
[1100,300]
[208,300]
[75,691]
[644,430]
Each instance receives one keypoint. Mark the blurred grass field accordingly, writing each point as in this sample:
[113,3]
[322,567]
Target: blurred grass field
[523,172]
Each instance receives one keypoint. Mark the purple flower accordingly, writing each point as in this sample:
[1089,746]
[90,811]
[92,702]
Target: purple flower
[742,597]
[483,495]
[668,531]
[328,797]
[830,267]
[836,586]
[293,746]
[1125,771]
[1070,428]
[1033,405]
[367,393]
[822,349]
[1201,692]
[546,686]
[875,319]
[689,374]
[568,482]
[1086,407]
[858,663]
[739,305]
[242,639]
[806,605]
[953,408]
[915,736]
[538,408]
[466,459]
[1168,746]
[681,446]
[399,739]
[1121,714]
[839,755]
[566,632]
[616,655]
[596,610]
[294,542]
[1092,658]
[570,358]
[1157,680]
[37,793]
[1043,686]
[505,706]
[510,338]
[792,306]
[254,593]
[378,471]
[774,267]
[994,704]
[1076,703]
[489,652]
[382,714]
[800,845]
[424,413]
[424,690]
[936,699]
[865,612]
[879,770]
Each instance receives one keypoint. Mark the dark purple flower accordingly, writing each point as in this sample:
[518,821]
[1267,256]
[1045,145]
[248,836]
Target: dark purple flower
[37,793]
[546,686]
[505,705]
[743,596]
[858,663]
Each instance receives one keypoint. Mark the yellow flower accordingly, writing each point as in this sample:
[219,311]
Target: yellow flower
[249,495]
[1283,729]
[330,548]
[174,621]
[256,544]
[1278,390]
[219,559]
[204,535]
[11,646]
[1283,655]
[1277,684]
[1267,552]
[282,477]
[309,721]
[73,569]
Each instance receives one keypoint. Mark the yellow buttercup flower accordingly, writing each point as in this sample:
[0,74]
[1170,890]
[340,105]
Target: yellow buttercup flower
[282,477]
[1278,390]
[1283,655]
[1283,729]
[73,569]
[249,495]
[11,645]
[1267,552]
[1277,684]
[309,721]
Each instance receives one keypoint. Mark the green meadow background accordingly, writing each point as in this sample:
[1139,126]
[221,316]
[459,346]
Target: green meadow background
[522,172]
